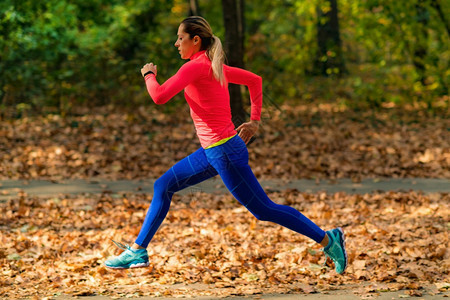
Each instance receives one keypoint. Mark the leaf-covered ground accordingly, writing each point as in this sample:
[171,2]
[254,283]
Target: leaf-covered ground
[56,246]
[303,141]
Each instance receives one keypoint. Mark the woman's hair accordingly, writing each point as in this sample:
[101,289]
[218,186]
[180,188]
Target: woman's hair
[196,25]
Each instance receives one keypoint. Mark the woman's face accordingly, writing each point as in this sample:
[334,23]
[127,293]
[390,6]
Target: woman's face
[187,46]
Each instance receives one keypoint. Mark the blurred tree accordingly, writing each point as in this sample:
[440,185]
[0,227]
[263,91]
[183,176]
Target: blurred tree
[38,43]
[233,15]
[194,9]
[329,58]
[420,47]
[442,15]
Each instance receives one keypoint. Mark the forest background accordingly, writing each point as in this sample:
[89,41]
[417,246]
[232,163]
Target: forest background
[357,54]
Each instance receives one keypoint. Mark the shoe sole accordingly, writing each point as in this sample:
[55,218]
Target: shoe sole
[342,240]
[132,266]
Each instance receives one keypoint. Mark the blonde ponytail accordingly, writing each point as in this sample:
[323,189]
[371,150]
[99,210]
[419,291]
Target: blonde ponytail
[197,25]
[217,57]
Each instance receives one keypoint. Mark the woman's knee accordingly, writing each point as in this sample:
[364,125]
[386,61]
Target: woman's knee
[163,185]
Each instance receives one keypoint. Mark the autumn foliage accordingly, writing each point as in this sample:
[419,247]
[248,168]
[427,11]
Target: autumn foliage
[209,244]
[302,141]
[212,244]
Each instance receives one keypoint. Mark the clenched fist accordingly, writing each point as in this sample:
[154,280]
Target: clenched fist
[149,67]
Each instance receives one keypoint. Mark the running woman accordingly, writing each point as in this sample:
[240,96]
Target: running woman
[205,79]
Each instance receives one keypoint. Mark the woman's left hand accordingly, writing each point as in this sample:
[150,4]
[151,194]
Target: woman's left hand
[149,67]
[247,130]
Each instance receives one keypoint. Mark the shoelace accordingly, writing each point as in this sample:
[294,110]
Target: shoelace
[121,246]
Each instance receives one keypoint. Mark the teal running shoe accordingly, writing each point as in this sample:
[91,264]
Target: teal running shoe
[130,258]
[336,249]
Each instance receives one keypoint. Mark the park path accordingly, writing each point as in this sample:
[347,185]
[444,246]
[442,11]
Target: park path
[347,294]
[45,188]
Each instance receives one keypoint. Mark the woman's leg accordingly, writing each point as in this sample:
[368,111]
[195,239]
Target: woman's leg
[231,162]
[189,171]
[246,189]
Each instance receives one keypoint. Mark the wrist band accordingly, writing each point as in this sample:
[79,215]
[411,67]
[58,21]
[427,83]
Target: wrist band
[149,72]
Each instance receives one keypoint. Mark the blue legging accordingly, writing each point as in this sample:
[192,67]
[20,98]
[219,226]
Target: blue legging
[230,161]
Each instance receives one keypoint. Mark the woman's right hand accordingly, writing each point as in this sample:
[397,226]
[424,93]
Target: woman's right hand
[248,130]
[149,67]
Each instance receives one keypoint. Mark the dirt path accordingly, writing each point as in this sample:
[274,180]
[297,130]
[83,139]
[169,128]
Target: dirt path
[43,188]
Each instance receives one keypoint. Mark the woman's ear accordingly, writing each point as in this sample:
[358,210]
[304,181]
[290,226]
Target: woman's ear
[196,39]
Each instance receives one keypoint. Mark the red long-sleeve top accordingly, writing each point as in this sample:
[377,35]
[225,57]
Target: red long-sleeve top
[209,101]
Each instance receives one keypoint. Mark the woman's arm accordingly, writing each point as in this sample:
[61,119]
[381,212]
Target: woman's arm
[254,84]
[175,84]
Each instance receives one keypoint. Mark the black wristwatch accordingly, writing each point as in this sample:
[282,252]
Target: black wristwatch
[149,72]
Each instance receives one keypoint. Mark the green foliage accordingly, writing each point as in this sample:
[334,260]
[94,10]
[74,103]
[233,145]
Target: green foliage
[379,43]
[61,53]
[64,53]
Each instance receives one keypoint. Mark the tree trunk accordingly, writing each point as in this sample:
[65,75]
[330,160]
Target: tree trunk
[420,47]
[442,15]
[233,16]
[329,58]
[193,8]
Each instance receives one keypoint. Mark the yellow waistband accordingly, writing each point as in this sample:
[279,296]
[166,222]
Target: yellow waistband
[223,141]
